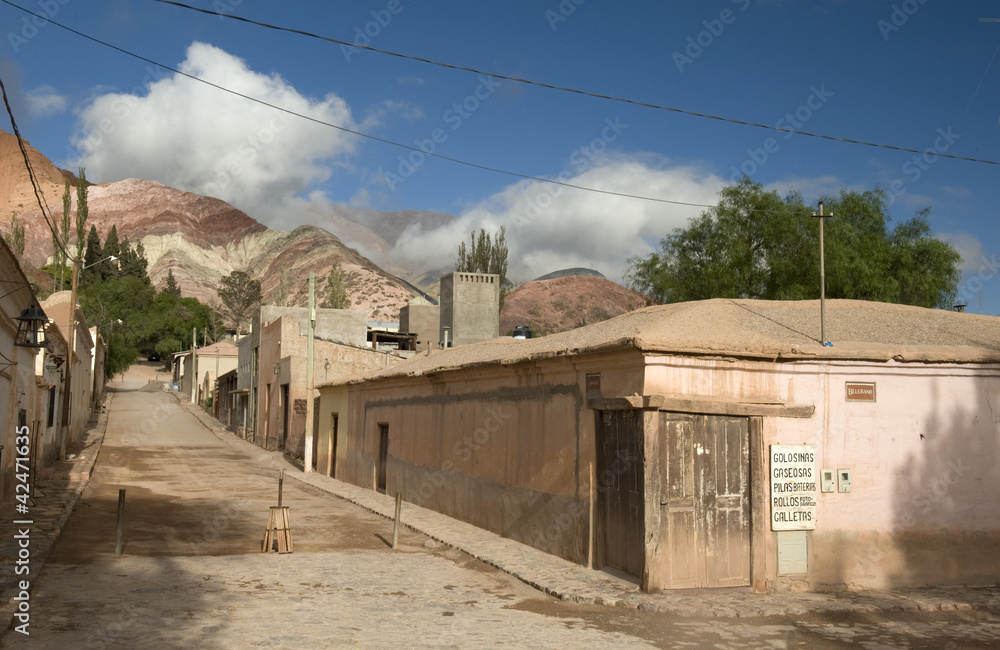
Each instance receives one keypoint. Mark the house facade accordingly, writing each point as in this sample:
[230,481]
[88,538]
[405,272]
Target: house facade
[706,444]
[82,383]
[18,386]
[272,386]
[34,403]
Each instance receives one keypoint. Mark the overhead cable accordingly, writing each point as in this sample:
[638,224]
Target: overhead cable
[39,197]
[354,132]
[568,89]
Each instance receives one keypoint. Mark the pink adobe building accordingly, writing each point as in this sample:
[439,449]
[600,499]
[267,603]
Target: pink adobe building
[272,385]
[705,444]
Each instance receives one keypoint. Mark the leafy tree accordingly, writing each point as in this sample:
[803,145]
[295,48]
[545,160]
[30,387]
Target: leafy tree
[15,236]
[336,289]
[151,321]
[240,295]
[132,261]
[280,294]
[171,284]
[91,258]
[754,244]
[60,239]
[105,302]
[485,256]
[82,211]
[107,267]
[167,346]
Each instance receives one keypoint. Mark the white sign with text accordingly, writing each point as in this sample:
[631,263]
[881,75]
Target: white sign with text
[793,487]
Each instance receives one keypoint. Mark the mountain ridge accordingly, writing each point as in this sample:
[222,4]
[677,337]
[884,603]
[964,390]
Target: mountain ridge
[198,238]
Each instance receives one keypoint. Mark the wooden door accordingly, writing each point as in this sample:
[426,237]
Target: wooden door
[332,464]
[285,413]
[383,457]
[620,476]
[705,500]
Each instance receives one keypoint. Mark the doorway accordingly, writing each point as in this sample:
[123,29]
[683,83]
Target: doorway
[332,461]
[383,457]
[620,491]
[284,415]
[704,500]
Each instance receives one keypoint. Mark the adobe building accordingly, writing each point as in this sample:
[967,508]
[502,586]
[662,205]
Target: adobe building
[19,384]
[82,381]
[470,307]
[273,370]
[423,318]
[214,361]
[49,374]
[706,444]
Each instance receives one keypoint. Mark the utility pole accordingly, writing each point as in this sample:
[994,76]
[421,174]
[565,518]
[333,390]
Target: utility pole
[310,383]
[68,389]
[822,277]
[194,365]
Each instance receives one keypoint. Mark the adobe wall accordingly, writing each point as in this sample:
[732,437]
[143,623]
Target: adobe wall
[924,506]
[422,320]
[332,362]
[508,449]
[332,401]
[470,306]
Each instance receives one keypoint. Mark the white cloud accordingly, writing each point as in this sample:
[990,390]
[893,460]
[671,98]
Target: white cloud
[969,247]
[961,193]
[550,227]
[194,137]
[45,101]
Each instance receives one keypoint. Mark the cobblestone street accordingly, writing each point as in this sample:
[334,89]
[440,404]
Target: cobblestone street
[192,574]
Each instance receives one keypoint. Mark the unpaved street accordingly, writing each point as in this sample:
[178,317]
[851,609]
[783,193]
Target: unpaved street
[192,574]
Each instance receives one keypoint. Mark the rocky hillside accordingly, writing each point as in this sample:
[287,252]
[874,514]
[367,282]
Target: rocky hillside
[550,306]
[199,238]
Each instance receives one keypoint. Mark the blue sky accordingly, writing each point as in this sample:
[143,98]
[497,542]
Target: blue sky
[920,74]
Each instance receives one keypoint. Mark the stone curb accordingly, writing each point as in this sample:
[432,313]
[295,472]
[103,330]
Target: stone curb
[58,488]
[570,582]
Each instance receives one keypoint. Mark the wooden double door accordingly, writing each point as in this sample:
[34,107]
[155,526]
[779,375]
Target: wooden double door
[688,482]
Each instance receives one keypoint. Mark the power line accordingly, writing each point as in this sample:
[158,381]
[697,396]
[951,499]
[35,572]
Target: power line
[354,132]
[568,89]
[39,197]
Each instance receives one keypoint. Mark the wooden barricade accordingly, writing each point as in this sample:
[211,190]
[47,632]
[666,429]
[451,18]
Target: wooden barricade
[278,537]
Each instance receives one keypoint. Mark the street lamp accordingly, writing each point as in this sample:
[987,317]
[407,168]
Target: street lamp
[112,258]
[31,328]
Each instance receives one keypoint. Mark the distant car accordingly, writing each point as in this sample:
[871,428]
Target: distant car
[152,356]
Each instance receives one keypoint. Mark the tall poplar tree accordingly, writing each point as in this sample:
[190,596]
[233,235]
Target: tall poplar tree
[82,212]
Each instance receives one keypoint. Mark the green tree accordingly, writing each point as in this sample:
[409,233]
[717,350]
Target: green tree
[280,294]
[82,211]
[240,296]
[65,225]
[107,267]
[105,301]
[15,236]
[754,244]
[336,289]
[171,284]
[132,261]
[91,258]
[60,241]
[485,255]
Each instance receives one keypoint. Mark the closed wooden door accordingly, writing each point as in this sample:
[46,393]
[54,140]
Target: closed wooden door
[705,500]
[383,458]
[620,489]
